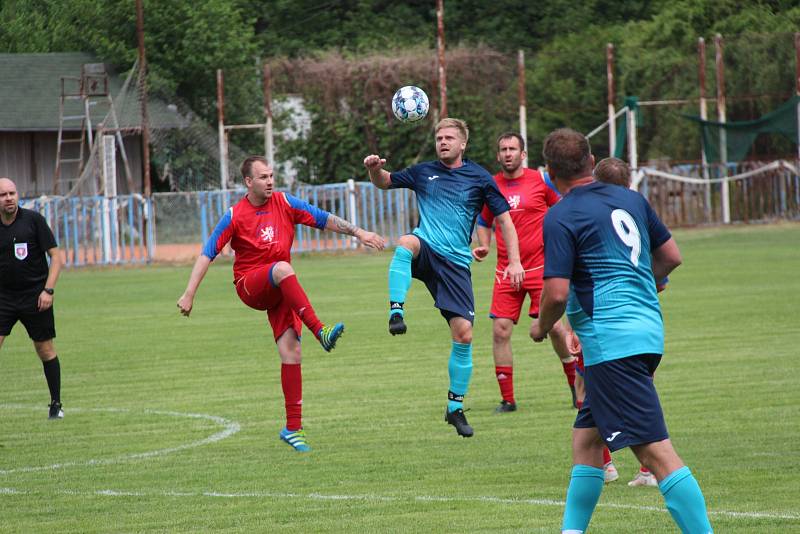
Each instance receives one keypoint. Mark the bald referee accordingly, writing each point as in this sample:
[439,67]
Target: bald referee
[27,283]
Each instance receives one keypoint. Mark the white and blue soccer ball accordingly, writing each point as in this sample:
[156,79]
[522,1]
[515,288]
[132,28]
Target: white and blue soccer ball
[410,104]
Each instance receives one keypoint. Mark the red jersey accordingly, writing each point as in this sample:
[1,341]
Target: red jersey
[263,234]
[529,197]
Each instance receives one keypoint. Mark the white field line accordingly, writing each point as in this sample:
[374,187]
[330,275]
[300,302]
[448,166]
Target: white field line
[229,428]
[232,427]
[379,498]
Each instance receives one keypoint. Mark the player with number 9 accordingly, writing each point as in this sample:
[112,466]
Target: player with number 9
[603,246]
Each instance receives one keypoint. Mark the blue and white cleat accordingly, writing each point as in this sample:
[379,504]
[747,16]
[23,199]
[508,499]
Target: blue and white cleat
[328,335]
[295,438]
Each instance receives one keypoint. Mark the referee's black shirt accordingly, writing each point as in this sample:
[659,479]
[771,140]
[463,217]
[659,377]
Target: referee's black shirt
[23,252]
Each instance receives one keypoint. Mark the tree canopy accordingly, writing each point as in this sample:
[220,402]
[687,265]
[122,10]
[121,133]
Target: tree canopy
[345,58]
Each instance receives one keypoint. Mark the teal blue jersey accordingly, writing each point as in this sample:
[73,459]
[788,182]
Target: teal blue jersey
[449,201]
[600,237]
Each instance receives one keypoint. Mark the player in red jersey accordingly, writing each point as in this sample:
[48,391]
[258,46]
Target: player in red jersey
[529,197]
[260,228]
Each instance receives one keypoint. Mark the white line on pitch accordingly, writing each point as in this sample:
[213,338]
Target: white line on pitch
[378,498]
[230,428]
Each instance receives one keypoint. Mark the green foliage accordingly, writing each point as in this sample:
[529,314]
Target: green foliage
[655,49]
[185,42]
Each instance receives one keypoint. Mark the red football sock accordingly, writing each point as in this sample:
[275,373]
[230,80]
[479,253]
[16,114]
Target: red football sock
[579,403]
[606,456]
[298,301]
[643,469]
[292,383]
[569,370]
[505,379]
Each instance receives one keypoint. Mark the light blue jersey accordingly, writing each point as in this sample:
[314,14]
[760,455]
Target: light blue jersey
[449,201]
[600,237]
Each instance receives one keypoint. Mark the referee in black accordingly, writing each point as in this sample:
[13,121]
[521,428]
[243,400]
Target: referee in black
[27,283]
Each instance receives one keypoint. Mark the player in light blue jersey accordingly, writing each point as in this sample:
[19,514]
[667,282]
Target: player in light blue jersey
[604,250]
[450,195]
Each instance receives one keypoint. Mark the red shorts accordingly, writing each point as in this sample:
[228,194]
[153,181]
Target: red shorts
[507,302]
[257,289]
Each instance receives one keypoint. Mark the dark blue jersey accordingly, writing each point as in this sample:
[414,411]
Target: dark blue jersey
[449,201]
[600,237]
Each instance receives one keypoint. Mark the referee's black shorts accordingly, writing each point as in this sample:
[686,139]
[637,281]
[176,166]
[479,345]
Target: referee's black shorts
[23,306]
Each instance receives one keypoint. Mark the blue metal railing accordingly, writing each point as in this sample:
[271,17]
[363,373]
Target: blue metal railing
[97,230]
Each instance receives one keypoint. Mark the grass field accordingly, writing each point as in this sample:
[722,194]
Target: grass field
[171,423]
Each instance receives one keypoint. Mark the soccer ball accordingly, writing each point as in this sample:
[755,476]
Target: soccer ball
[410,104]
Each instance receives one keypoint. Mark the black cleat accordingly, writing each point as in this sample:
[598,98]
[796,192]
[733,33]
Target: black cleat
[574,397]
[506,406]
[55,411]
[458,420]
[396,325]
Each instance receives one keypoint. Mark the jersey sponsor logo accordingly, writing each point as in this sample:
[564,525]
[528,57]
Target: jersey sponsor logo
[433,177]
[266,234]
[613,436]
[263,212]
[514,201]
[20,250]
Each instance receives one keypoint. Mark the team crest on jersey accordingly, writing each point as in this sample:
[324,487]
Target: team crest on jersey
[21,250]
[514,201]
[266,233]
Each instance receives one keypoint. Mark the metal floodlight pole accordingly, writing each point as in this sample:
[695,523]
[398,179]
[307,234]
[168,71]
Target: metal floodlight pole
[723,134]
[269,147]
[701,77]
[223,140]
[523,115]
[440,56]
[633,156]
[612,123]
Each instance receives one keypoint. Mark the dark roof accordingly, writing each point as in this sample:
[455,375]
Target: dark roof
[31,88]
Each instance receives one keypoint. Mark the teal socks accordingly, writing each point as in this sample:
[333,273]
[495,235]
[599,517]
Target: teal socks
[584,490]
[399,279]
[685,502]
[460,370]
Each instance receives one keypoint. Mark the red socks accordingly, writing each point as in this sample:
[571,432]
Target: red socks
[569,370]
[292,383]
[505,379]
[298,301]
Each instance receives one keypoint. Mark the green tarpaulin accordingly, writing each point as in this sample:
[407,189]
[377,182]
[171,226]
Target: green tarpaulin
[741,135]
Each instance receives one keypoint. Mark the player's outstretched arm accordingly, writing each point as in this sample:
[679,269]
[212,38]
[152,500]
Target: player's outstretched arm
[379,176]
[514,271]
[484,241]
[370,239]
[199,271]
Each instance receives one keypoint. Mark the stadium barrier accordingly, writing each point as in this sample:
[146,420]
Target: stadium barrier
[97,230]
[757,191]
[188,219]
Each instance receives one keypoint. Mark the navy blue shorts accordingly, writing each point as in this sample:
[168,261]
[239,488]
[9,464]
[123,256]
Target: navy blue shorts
[621,401]
[24,307]
[449,284]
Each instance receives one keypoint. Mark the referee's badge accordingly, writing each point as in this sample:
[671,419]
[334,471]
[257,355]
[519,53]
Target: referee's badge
[21,250]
